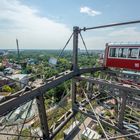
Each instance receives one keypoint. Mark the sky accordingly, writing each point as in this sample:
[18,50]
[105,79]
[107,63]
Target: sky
[48,24]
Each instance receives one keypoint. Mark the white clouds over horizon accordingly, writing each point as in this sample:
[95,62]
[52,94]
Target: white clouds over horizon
[33,31]
[89,11]
[128,31]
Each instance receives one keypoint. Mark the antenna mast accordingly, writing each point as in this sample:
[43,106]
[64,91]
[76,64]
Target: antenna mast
[18,50]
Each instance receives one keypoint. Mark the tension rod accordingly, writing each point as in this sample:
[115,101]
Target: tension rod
[110,25]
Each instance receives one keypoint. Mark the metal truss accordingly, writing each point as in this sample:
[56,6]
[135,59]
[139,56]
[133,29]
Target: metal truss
[124,92]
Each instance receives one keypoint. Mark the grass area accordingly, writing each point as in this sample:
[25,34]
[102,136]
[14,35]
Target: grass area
[78,117]
[25,132]
[55,114]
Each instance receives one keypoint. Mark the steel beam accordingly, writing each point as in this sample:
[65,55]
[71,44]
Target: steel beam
[111,84]
[15,102]
[125,136]
[12,104]
[62,124]
[90,70]
[75,64]
[43,117]
[122,110]
[75,48]
[73,94]
[104,123]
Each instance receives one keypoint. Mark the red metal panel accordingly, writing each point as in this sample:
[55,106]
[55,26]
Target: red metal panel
[123,63]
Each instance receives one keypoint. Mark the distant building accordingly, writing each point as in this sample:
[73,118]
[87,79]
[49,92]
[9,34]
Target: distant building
[1,74]
[53,61]
[8,70]
[1,53]
[31,62]
[6,63]
[16,66]
[90,134]
[4,81]
[22,78]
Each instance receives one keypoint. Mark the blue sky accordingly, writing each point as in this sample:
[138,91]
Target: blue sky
[47,24]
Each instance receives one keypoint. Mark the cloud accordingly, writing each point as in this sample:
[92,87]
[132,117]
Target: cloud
[18,20]
[34,31]
[89,11]
[129,31]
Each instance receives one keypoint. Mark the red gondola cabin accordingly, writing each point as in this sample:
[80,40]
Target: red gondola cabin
[126,56]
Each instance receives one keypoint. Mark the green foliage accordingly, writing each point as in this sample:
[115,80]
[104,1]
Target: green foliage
[16,88]
[97,74]
[27,70]
[83,138]
[6,88]
[99,129]
[56,93]
[63,64]
[25,132]
[107,113]
[1,68]
[85,61]
[44,68]
[49,72]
